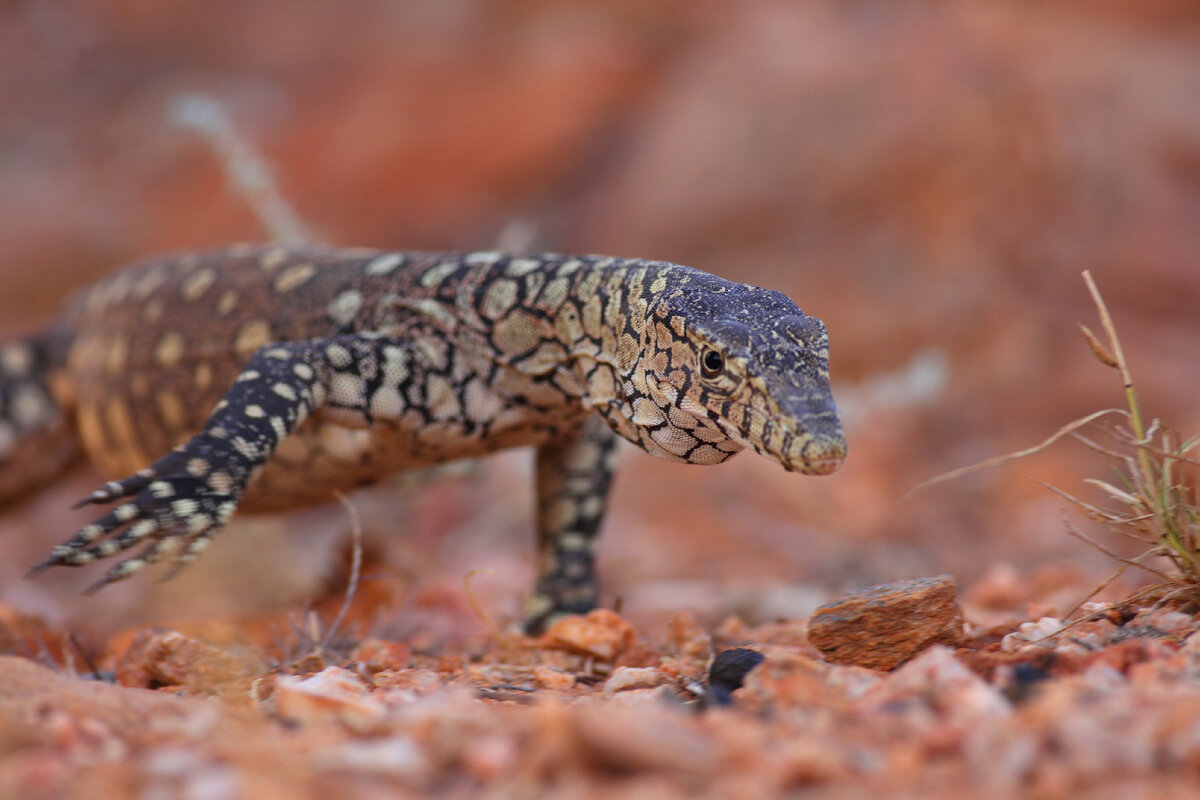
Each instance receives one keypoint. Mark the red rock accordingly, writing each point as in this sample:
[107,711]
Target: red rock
[377,655]
[332,694]
[601,634]
[884,626]
[36,700]
[941,681]
[643,737]
[624,678]
[548,677]
[157,658]
[687,638]
[786,679]
[26,633]
[1128,653]
[1165,621]
[417,681]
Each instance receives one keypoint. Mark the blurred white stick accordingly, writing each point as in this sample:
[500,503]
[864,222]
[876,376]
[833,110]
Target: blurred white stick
[244,167]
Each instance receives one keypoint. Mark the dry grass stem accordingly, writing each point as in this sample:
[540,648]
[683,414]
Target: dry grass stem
[244,166]
[355,567]
[1136,561]
[955,474]
[1154,507]
[477,607]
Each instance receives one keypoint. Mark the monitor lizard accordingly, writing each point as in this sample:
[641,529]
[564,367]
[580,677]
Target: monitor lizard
[266,377]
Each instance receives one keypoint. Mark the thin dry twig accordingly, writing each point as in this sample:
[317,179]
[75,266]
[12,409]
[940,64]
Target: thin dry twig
[1136,561]
[477,607]
[1118,355]
[245,168]
[1095,591]
[954,474]
[355,567]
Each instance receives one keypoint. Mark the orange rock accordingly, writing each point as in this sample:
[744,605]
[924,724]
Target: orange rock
[27,633]
[623,678]
[158,658]
[943,683]
[1163,621]
[884,626]
[1033,634]
[376,655]
[643,737]
[548,677]
[786,679]
[92,718]
[687,638]
[332,694]
[415,680]
[601,634]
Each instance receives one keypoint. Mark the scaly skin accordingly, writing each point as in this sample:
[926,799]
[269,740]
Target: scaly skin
[272,376]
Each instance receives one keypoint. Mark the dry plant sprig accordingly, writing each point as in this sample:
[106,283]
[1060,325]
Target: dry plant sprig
[245,169]
[1156,508]
[954,474]
[356,557]
[1154,505]
[493,630]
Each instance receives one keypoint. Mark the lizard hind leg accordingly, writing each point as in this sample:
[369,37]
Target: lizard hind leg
[574,473]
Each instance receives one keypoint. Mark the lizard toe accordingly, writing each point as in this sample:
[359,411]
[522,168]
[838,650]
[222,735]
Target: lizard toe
[115,490]
[155,551]
[176,510]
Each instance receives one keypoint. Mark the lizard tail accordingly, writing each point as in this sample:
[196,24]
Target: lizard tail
[37,440]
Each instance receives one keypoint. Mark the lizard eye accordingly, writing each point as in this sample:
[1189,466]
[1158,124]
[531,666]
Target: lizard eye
[711,363]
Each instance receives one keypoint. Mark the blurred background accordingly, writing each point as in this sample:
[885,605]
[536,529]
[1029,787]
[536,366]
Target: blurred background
[930,178]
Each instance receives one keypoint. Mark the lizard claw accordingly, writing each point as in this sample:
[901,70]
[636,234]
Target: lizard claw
[114,490]
[168,505]
[155,551]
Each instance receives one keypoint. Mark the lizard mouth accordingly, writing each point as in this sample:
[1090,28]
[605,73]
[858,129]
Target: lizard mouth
[797,450]
[812,456]
[822,466]
[812,466]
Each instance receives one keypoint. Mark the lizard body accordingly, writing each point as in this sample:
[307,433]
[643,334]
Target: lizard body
[271,376]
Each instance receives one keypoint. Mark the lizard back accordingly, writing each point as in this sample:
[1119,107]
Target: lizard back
[156,346]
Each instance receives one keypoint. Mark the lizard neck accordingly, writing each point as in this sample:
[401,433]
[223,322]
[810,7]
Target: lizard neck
[608,325]
[630,357]
[602,325]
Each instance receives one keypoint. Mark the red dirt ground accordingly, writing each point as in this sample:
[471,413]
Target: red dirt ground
[930,179]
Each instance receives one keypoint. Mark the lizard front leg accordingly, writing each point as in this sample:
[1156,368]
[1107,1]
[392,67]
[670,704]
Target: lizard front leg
[574,472]
[176,505]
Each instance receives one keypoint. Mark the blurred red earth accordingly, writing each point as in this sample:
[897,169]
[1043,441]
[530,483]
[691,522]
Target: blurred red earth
[929,179]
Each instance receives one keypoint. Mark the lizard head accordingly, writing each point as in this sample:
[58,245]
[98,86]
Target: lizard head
[744,364]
